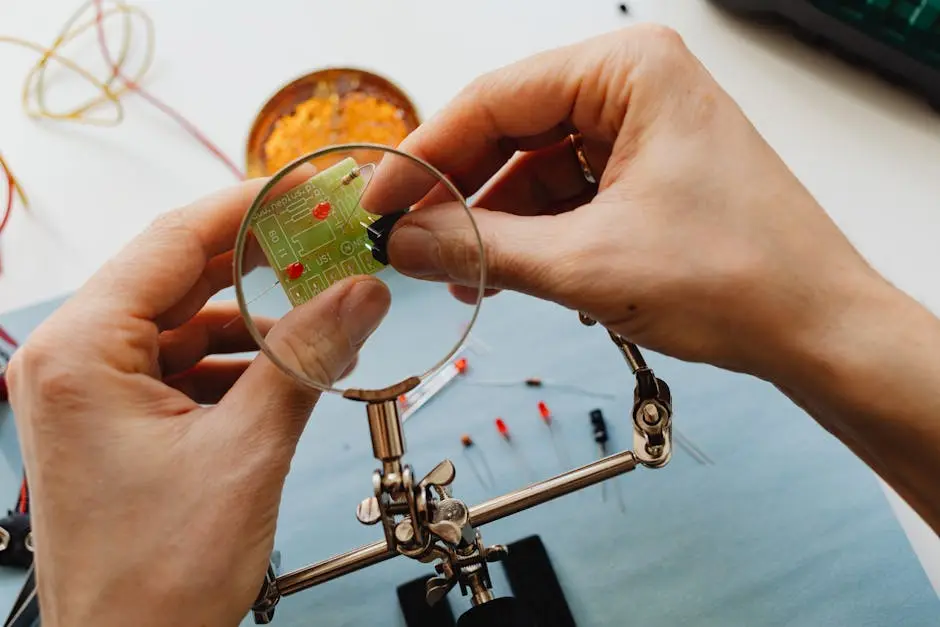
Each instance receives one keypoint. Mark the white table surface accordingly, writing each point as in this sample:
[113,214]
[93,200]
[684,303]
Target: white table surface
[870,153]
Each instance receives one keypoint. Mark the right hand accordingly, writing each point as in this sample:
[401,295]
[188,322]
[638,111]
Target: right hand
[698,241]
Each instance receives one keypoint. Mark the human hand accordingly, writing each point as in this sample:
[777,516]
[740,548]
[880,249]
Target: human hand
[148,508]
[697,242]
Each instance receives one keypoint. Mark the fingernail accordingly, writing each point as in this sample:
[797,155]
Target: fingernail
[363,309]
[413,250]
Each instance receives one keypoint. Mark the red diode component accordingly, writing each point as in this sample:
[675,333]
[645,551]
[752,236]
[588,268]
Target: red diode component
[322,210]
[503,430]
[295,270]
[546,414]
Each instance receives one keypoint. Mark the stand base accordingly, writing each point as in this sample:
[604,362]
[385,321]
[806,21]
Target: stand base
[501,612]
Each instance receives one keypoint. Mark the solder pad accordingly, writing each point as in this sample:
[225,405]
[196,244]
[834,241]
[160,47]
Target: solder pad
[330,249]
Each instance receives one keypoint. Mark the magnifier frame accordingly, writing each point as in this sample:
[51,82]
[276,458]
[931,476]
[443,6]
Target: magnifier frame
[393,391]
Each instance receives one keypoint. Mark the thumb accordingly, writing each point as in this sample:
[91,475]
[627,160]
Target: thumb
[320,340]
[522,253]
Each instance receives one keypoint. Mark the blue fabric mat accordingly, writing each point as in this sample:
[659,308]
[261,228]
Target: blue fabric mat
[786,528]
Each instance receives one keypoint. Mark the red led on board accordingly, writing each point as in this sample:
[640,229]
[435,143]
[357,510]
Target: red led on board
[295,270]
[502,428]
[322,211]
[461,365]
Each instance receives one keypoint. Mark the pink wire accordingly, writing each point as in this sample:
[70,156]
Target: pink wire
[153,100]
[6,337]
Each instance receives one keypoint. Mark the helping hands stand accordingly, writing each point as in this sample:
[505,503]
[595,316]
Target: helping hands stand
[423,521]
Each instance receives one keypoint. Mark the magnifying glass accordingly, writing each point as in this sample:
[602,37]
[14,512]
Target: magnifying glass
[329,216]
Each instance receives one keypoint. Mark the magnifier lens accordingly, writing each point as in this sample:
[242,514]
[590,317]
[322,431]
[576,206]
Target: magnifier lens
[320,225]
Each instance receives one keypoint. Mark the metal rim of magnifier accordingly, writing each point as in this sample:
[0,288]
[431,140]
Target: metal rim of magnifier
[242,239]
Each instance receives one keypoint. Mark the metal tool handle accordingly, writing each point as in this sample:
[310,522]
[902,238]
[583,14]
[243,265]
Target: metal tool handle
[486,512]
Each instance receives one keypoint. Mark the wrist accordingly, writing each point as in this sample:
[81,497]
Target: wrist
[133,600]
[868,375]
[863,337]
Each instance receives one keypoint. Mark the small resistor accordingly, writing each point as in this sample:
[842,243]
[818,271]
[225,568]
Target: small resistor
[534,382]
[355,173]
[349,178]
[466,440]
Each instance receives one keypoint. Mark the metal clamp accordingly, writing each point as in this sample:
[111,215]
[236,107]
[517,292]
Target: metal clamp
[652,404]
[423,521]
[263,607]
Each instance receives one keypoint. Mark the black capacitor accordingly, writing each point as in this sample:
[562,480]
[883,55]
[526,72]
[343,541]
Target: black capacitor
[600,427]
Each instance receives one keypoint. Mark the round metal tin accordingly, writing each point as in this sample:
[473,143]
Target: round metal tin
[338,84]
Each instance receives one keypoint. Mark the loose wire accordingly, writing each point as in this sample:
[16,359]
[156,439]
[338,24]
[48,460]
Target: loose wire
[13,190]
[535,382]
[110,90]
[133,85]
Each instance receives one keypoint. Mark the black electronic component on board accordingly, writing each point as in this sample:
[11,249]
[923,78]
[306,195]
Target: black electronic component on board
[379,232]
[898,39]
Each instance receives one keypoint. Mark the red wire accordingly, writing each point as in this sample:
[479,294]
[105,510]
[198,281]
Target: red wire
[153,100]
[23,504]
[6,337]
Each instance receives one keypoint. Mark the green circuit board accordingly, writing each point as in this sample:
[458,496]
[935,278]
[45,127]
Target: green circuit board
[320,225]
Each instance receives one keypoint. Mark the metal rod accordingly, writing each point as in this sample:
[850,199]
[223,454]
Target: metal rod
[631,353]
[330,569]
[487,512]
[544,491]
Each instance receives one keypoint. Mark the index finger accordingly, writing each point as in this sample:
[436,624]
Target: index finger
[524,106]
[159,266]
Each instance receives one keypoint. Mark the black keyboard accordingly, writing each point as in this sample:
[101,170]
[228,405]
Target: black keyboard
[899,39]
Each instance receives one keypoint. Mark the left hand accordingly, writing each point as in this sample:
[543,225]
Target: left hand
[149,507]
